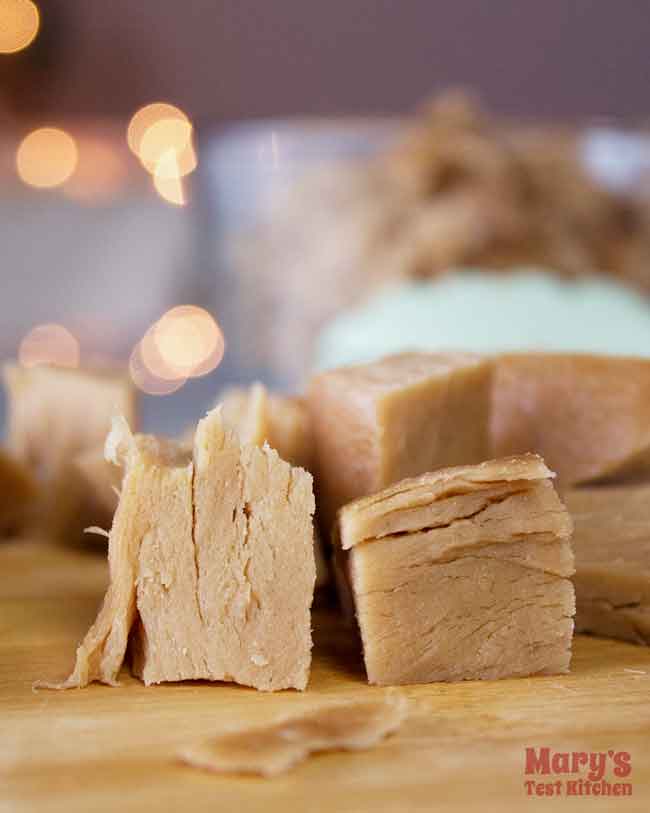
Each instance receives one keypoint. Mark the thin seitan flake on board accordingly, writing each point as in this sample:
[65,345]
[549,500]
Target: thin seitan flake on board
[612,549]
[212,566]
[398,417]
[588,416]
[275,748]
[462,573]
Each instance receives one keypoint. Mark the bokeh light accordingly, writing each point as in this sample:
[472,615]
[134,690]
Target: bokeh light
[164,137]
[49,344]
[19,24]
[46,158]
[188,338]
[168,184]
[146,117]
[186,342]
[156,365]
[161,135]
[146,380]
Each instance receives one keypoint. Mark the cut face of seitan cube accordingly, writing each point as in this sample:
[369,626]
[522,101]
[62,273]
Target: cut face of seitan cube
[612,549]
[254,552]
[588,416]
[212,566]
[462,574]
[375,424]
[284,423]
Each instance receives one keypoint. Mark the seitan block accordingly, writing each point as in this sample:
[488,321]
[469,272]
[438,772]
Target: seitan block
[284,423]
[274,749]
[462,574]
[57,415]
[612,549]
[212,565]
[154,470]
[588,416]
[261,417]
[375,424]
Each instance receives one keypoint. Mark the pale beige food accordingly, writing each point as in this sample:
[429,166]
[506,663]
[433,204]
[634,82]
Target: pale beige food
[457,188]
[273,749]
[18,494]
[56,415]
[588,416]
[212,565]
[55,412]
[282,421]
[612,549]
[375,424]
[462,574]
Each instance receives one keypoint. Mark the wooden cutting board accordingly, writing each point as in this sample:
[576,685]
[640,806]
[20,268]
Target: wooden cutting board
[462,747]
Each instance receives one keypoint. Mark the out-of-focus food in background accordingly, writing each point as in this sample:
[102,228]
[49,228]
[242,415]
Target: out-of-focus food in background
[491,311]
[456,188]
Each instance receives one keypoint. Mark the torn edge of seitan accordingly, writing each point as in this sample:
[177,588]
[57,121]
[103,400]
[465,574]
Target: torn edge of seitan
[101,654]
[102,651]
[275,748]
[438,498]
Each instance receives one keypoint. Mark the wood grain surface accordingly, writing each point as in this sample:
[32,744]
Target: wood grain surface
[461,748]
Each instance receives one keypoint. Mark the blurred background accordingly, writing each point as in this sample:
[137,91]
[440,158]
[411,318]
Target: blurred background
[303,176]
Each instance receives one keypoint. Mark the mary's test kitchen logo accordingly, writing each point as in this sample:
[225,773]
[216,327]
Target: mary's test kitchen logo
[577,773]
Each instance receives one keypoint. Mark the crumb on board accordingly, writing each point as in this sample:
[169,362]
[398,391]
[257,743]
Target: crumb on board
[275,748]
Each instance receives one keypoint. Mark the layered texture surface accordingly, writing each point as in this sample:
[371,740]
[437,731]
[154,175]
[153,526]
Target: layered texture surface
[462,574]
[212,565]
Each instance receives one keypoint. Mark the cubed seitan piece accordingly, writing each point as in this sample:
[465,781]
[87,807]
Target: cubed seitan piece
[18,495]
[212,565]
[57,414]
[463,573]
[275,748]
[588,416]
[377,423]
[282,421]
[611,542]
